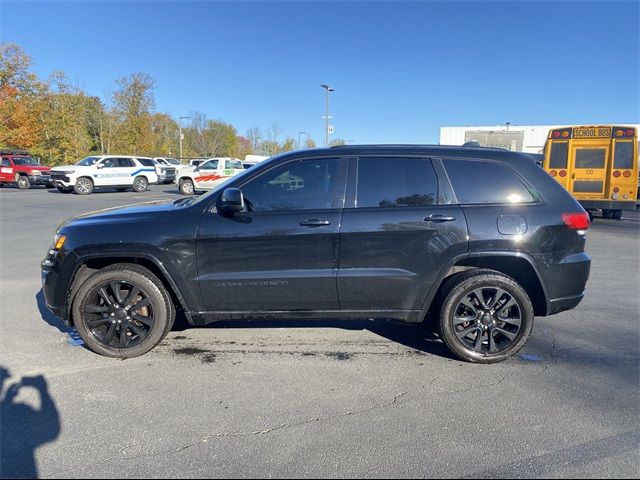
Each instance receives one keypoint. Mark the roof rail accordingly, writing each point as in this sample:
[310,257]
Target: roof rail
[472,143]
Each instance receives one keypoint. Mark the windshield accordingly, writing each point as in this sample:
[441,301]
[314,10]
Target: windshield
[88,161]
[173,161]
[25,161]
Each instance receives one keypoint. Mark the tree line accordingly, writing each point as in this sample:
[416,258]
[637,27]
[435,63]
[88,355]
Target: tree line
[61,123]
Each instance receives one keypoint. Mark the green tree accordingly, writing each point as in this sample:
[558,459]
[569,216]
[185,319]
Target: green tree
[133,102]
[165,134]
[288,145]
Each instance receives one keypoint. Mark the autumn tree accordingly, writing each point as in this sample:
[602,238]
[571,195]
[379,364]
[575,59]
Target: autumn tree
[309,143]
[132,103]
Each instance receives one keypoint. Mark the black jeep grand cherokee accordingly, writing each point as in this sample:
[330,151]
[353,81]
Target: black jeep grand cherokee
[482,238]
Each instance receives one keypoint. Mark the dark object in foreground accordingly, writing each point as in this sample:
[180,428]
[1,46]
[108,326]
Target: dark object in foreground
[480,238]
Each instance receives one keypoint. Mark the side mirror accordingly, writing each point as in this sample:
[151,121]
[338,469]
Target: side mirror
[231,201]
[100,165]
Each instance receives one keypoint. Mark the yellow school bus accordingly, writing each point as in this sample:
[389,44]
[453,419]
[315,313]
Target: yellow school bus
[598,165]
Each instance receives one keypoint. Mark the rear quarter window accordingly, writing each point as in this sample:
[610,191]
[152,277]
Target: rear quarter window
[481,182]
[147,162]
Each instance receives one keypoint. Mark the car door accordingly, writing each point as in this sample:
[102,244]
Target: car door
[206,174]
[281,253]
[397,233]
[6,170]
[107,172]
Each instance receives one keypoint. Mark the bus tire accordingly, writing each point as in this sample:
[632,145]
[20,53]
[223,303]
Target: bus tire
[617,215]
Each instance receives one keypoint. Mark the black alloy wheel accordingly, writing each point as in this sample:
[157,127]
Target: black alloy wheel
[119,314]
[486,316]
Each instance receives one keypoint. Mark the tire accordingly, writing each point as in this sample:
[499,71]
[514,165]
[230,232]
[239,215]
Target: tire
[65,189]
[83,186]
[186,187]
[50,185]
[491,336]
[101,332]
[607,214]
[122,189]
[590,216]
[140,184]
[23,183]
[617,215]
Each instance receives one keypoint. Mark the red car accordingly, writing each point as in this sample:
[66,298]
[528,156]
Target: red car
[17,167]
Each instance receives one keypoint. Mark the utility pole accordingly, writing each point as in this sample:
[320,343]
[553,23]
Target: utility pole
[327,117]
[180,134]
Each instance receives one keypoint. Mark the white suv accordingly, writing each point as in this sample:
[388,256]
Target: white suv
[208,175]
[105,171]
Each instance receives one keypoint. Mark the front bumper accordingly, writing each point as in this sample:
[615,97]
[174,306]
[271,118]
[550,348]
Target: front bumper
[40,179]
[166,177]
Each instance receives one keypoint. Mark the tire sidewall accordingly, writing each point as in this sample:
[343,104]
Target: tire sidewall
[487,280]
[184,182]
[79,181]
[140,179]
[160,302]
[23,183]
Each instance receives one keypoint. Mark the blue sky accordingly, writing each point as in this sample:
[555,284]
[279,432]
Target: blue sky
[400,70]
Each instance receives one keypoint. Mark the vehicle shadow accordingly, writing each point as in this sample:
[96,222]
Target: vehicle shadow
[49,317]
[421,337]
[24,428]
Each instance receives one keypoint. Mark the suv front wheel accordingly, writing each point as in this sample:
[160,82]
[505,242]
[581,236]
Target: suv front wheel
[122,311]
[486,316]
[83,186]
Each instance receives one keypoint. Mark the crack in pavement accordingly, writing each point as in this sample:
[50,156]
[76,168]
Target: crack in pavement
[206,438]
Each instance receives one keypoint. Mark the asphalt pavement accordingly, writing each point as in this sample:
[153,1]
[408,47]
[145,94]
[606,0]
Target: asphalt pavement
[314,399]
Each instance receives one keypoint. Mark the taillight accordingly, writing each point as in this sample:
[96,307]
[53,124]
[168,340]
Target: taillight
[553,173]
[629,133]
[576,221]
[563,173]
[626,174]
[556,134]
[616,174]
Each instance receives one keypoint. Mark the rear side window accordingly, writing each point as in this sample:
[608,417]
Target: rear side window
[147,162]
[229,164]
[559,155]
[396,182]
[623,156]
[485,182]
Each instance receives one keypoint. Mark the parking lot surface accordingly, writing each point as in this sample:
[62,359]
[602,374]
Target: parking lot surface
[308,399]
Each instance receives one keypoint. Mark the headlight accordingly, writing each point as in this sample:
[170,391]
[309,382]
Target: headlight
[35,172]
[58,241]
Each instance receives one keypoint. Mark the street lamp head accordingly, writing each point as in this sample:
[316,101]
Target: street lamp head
[328,88]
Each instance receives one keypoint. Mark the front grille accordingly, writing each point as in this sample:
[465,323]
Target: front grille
[59,176]
[170,171]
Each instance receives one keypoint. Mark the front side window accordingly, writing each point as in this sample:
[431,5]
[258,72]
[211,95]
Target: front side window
[623,156]
[110,163]
[5,162]
[396,182]
[299,185]
[478,182]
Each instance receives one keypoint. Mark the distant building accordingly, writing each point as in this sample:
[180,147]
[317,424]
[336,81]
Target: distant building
[519,138]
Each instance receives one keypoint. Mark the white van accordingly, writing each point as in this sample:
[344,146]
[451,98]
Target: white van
[105,171]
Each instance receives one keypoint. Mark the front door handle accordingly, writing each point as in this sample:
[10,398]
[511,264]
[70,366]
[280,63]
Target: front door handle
[314,222]
[438,218]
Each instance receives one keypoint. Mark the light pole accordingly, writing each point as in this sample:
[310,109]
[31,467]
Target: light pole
[180,134]
[327,117]
[300,133]
[508,123]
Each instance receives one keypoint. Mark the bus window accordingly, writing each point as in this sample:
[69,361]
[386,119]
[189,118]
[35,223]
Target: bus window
[590,157]
[559,155]
[623,156]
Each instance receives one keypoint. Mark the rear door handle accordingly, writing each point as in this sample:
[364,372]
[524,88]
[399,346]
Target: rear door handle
[438,218]
[314,222]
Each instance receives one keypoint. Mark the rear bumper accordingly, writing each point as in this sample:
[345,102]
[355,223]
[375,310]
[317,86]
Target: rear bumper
[566,278]
[608,204]
[558,305]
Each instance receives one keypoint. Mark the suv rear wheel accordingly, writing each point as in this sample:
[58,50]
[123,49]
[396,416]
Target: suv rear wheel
[122,311]
[486,316]
[140,184]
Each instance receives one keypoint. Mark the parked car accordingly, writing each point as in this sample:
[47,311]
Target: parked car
[105,171]
[171,162]
[18,168]
[480,239]
[208,175]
